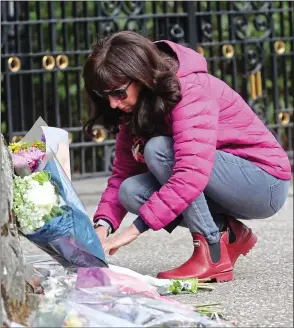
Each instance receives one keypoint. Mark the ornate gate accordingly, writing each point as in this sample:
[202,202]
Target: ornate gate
[248,44]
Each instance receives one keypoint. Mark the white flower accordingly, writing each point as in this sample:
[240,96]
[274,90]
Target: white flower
[43,197]
[33,199]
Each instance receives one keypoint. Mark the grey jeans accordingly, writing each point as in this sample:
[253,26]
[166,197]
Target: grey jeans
[236,187]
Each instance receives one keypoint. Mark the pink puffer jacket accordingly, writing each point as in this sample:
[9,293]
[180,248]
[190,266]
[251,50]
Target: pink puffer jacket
[210,116]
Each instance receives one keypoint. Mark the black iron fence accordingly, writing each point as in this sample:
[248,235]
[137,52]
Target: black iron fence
[248,44]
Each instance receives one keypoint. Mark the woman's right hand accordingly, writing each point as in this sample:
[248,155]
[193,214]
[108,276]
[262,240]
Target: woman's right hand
[102,233]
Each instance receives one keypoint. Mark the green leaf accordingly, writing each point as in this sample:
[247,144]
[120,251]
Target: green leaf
[41,177]
[55,185]
[47,218]
[56,211]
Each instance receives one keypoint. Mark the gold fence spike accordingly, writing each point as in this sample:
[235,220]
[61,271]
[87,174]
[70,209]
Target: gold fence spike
[280,47]
[70,137]
[48,62]
[16,139]
[100,135]
[200,50]
[255,82]
[284,118]
[252,83]
[228,50]
[258,84]
[14,64]
[62,61]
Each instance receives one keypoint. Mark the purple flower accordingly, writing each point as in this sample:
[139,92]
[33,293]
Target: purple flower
[43,138]
[19,161]
[33,156]
[21,166]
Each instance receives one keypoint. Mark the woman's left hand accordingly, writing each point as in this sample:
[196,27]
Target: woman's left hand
[121,239]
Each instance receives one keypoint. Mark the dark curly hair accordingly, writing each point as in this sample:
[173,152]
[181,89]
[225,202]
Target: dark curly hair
[126,56]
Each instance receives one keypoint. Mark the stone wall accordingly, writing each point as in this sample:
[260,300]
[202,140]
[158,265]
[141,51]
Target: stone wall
[13,296]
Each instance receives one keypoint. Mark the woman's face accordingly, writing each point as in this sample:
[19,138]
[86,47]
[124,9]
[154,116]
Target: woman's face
[127,104]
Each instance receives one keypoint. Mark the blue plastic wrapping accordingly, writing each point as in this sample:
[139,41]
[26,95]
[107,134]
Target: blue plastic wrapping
[70,239]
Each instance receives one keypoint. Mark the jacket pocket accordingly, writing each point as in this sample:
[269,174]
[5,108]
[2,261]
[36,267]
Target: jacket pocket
[279,193]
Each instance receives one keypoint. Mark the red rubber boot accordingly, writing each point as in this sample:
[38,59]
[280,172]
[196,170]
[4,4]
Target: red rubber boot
[245,239]
[200,264]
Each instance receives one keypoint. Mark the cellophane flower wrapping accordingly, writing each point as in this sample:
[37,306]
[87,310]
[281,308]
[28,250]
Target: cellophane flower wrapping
[68,236]
[101,297]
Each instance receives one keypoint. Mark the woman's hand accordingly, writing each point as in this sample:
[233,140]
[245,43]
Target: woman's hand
[102,233]
[121,239]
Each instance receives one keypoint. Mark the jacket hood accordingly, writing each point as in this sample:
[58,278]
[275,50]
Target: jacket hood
[190,61]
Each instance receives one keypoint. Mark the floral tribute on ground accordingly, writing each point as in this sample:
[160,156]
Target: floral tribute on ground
[114,297]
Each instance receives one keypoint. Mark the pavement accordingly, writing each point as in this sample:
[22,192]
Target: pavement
[261,294]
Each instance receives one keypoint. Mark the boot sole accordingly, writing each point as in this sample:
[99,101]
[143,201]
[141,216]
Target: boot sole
[219,277]
[223,277]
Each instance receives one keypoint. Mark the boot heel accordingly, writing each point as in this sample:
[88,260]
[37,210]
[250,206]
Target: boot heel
[250,243]
[224,276]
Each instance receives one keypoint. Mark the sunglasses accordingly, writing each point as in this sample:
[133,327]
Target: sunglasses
[118,94]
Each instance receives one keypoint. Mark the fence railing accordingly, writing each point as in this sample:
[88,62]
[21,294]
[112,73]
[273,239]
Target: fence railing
[248,44]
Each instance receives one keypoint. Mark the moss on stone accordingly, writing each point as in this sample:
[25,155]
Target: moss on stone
[17,311]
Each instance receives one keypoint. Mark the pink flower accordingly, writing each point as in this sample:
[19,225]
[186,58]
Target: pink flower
[19,161]
[33,156]
[21,166]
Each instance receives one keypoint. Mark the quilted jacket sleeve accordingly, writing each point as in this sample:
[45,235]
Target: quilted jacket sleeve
[194,122]
[124,166]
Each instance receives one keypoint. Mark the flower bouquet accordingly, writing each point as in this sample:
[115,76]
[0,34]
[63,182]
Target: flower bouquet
[47,209]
